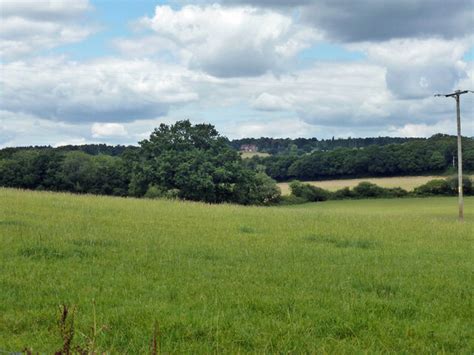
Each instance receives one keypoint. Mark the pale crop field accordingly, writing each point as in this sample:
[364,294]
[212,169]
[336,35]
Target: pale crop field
[406,182]
[248,155]
[391,276]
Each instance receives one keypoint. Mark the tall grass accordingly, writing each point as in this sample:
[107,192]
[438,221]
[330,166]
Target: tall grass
[339,277]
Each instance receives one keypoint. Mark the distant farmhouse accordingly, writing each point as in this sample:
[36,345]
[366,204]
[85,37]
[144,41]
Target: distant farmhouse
[248,148]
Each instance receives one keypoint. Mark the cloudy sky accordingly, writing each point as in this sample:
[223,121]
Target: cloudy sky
[83,71]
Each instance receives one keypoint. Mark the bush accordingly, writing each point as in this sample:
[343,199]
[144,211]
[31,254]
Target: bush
[309,192]
[343,194]
[434,187]
[267,191]
[291,200]
[395,192]
[154,191]
[466,184]
[367,189]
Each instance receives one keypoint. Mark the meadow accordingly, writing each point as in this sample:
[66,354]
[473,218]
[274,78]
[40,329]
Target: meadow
[334,277]
[405,182]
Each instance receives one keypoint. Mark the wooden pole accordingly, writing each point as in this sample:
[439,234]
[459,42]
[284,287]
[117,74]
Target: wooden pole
[460,184]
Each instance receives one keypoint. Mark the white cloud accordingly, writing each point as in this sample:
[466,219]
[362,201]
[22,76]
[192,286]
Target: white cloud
[106,90]
[235,67]
[327,94]
[30,26]
[269,102]
[100,130]
[276,127]
[46,9]
[375,20]
[21,129]
[230,42]
[418,68]
[423,130]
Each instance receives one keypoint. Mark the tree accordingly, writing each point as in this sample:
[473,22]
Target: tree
[197,163]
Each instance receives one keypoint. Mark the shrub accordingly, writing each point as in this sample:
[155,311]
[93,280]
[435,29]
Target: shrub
[309,192]
[367,189]
[342,194]
[395,192]
[434,187]
[268,191]
[153,191]
[466,184]
[291,200]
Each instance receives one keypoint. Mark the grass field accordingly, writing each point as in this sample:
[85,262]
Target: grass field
[247,155]
[406,182]
[338,277]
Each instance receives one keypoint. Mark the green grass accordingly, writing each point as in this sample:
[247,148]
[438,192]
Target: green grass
[337,277]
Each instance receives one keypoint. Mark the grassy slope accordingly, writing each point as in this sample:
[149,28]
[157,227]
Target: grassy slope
[406,182]
[376,275]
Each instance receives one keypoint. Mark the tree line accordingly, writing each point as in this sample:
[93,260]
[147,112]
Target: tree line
[193,162]
[276,146]
[422,156]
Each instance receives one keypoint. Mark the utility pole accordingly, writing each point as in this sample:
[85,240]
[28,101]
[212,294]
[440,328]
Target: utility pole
[456,95]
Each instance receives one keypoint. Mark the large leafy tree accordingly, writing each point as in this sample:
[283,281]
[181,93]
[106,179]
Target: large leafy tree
[194,162]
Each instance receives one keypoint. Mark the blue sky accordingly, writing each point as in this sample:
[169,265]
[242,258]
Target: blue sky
[87,71]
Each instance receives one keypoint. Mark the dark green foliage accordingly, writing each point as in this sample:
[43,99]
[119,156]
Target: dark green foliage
[263,190]
[75,171]
[466,184]
[447,187]
[366,189]
[396,192]
[307,145]
[344,193]
[413,157]
[301,193]
[288,200]
[434,187]
[177,161]
[308,192]
[197,164]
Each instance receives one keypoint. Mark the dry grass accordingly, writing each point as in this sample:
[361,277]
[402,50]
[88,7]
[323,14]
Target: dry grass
[248,155]
[406,182]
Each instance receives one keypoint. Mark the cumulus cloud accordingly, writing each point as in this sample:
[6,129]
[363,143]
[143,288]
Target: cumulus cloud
[100,130]
[329,94]
[236,65]
[349,98]
[22,129]
[46,10]
[427,130]
[30,26]
[230,42]
[106,90]
[269,102]
[274,128]
[375,20]
[418,68]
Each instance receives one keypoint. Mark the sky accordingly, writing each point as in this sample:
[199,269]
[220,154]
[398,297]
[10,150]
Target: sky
[110,71]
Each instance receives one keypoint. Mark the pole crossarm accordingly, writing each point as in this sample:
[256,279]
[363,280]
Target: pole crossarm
[456,93]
